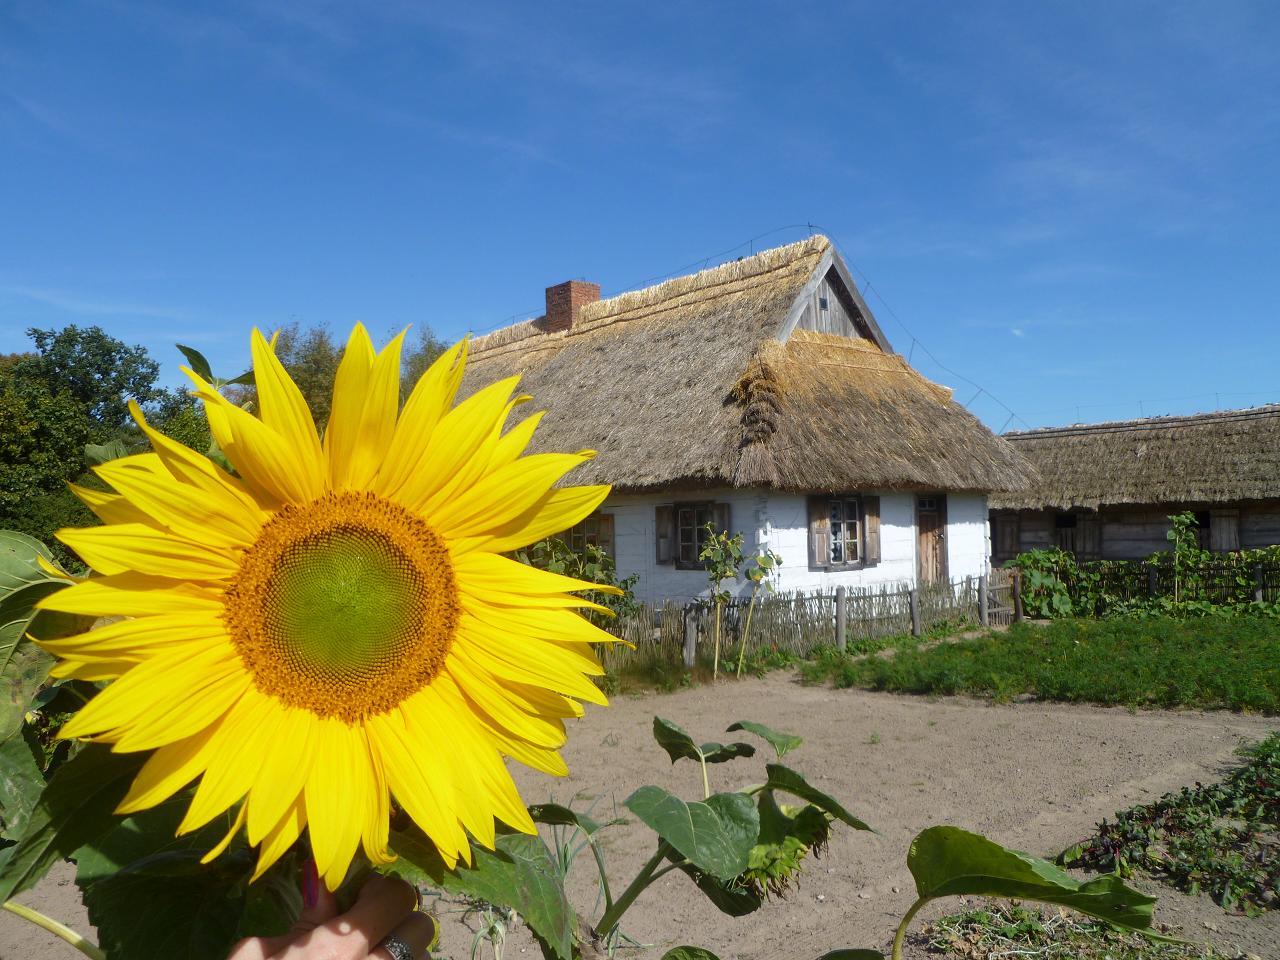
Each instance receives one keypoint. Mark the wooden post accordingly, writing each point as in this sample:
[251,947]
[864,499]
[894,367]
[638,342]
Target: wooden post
[842,621]
[1258,583]
[690,634]
[915,612]
[1017,596]
[984,611]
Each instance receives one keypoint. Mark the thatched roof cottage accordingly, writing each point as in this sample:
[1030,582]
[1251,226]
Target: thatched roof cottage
[1106,490]
[763,396]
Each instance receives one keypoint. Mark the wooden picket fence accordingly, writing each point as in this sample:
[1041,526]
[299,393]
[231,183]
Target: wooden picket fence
[799,623]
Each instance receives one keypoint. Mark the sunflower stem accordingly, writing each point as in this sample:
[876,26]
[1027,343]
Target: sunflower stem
[900,937]
[646,876]
[56,928]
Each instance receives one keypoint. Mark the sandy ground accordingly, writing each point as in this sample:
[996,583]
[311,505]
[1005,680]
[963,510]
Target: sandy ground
[1033,776]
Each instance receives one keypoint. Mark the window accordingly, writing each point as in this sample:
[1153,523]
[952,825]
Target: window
[680,531]
[844,531]
[595,530]
[846,527]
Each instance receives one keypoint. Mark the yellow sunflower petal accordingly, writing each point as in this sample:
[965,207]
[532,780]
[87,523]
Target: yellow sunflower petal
[282,405]
[428,402]
[481,571]
[365,399]
[281,837]
[338,795]
[167,771]
[109,507]
[125,547]
[503,495]
[133,595]
[220,847]
[552,513]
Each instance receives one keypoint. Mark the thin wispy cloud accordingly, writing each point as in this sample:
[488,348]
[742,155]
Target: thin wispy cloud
[91,306]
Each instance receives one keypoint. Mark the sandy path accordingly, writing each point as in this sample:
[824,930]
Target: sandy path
[1033,776]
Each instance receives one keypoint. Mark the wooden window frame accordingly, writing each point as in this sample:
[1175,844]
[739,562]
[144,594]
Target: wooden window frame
[868,527]
[669,530]
[849,504]
[595,528]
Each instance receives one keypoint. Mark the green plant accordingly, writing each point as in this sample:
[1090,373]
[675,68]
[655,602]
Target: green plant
[722,557]
[1218,839]
[592,565]
[758,570]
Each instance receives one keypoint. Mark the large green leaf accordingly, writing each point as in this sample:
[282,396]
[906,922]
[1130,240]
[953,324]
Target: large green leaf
[782,743]
[76,808]
[18,566]
[788,781]
[192,910]
[521,874]
[20,784]
[680,746]
[715,835]
[689,953]
[729,896]
[27,666]
[947,861]
[99,453]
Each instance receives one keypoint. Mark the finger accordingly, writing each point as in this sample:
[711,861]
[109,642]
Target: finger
[415,931]
[318,904]
[382,904]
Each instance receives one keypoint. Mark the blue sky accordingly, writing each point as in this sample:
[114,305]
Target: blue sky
[1073,206]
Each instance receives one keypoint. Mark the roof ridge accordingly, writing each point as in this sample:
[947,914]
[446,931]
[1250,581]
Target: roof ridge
[1149,423]
[602,312]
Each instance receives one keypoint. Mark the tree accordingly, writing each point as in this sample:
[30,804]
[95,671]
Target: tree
[98,371]
[312,355]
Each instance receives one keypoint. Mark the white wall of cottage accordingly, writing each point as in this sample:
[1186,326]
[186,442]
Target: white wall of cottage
[780,521]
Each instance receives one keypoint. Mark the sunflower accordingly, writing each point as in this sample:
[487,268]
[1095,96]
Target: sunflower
[334,626]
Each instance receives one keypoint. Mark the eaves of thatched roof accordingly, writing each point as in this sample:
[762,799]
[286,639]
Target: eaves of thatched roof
[704,381]
[1203,459]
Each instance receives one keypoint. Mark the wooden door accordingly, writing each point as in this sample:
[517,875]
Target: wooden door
[931,528]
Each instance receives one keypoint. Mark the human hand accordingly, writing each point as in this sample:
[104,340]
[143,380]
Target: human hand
[386,907]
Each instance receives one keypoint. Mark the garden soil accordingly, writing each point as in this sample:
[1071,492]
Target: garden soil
[1033,776]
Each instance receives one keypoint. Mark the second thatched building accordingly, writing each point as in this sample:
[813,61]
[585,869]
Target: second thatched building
[1106,490]
[763,397]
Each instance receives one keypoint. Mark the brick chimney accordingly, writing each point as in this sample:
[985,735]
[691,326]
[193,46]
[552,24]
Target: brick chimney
[564,300]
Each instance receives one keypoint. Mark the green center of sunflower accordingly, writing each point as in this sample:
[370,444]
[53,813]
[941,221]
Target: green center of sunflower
[344,606]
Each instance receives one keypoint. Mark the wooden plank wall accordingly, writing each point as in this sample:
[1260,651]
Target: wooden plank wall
[1133,533]
[835,318]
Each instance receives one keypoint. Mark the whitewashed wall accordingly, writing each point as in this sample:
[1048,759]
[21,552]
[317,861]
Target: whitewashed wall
[781,522]
[968,536]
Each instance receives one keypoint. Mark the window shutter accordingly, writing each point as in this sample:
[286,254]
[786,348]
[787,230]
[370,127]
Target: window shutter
[871,521]
[720,511]
[664,532]
[819,532]
[604,533]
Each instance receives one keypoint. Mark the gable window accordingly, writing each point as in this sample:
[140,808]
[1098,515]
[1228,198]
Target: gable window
[595,530]
[681,531]
[844,531]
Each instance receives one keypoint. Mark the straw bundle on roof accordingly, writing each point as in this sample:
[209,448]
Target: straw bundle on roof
[687,384]
[1208,458]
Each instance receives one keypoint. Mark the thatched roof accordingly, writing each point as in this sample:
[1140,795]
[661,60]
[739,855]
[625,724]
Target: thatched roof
[690,383]
[1202,459]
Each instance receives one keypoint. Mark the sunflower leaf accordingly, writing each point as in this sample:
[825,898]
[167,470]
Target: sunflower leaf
[192,909]
[685,952]
[729,897]
[722,752]
[947,861]
[20,784]
[672,738]
[75,808]
[197,360]
[521,874]
[558,815]
[715,835]
[786,780]
[782,743]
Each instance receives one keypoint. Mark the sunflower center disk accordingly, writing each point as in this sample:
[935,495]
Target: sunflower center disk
[344,606]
